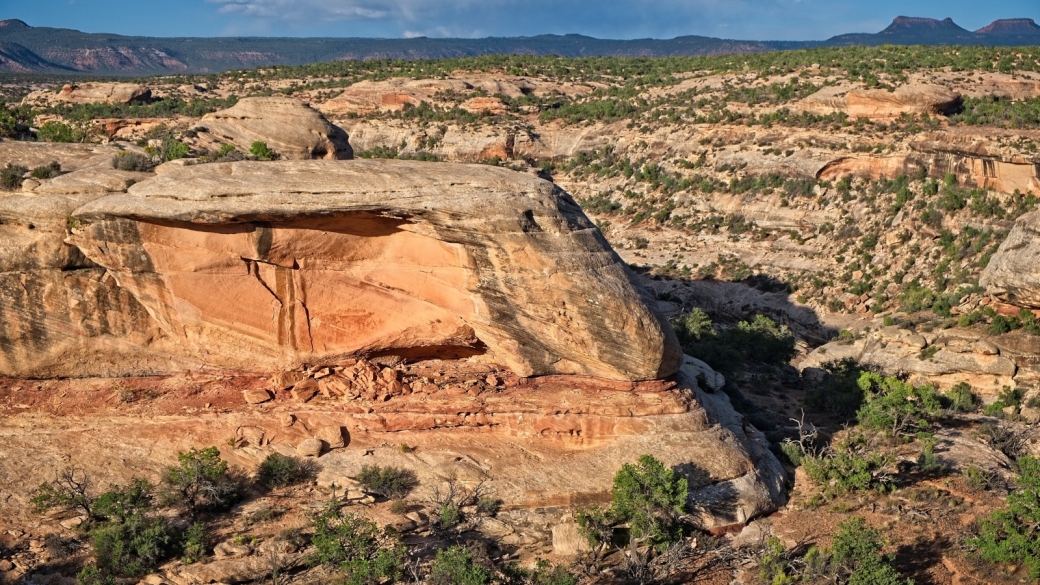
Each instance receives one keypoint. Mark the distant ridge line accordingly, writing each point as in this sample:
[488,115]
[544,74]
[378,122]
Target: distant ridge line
[29,49]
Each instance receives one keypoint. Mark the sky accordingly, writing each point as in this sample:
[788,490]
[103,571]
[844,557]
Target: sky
[614,19]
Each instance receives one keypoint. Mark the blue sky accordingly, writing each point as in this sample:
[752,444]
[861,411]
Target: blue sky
[736,19]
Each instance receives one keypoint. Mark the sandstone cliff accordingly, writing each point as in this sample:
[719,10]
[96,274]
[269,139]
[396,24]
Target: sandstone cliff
[267,265]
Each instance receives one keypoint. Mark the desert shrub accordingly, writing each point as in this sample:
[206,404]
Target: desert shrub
[896,407]
[1002,438]
[58,132]
[1007,397]
[11,177]
[857,554]
[838,391]
[760,340]
[962,399]
[356,546]
[200,481]
[194,544]
[260,150]
[280,470]
[131,540]
[647,496]
[1010,535]
[390,482]
[455,566]
[133,161]
[47,171]
[848,466]
[92,575]
[168,149]
[978,479]
[928,462]
[543,573]
[70,491]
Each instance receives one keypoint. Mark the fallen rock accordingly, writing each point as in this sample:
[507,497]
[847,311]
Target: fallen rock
[568,541]
[331,436]
[289,127]
[249,569]
[310,447]
[287,420]
[283,380]
[229,548]
[305,390]
[256,396]
[487,261]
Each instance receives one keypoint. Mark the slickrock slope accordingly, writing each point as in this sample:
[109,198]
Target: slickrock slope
[88,93]
[267,265]
[290,127]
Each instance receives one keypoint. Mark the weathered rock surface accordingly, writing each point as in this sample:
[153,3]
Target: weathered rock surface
[880,104]
[89,93]
[267,265]
[1013,273]
[958,356]
[290,128]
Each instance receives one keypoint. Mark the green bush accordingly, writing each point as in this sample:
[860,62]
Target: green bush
[962,399]
[978,479]
[356,546]
[760,340]
[132,161]
[261,151]
[390,482]
[200,481]
[1010,535]
[455,566]
[896,407]
[848,466]
[856,552]
[47,171]
[280,470]
[11,177]
[650,497]
[1007,397]
[194,545]
[91,575]
[838,392]
[58,132]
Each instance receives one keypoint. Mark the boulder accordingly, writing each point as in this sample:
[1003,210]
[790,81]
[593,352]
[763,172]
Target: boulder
[1013,273]
[331,436]
[310,447]
[89,93]
[291,128]
[256,396]
[881,104]
[305,390]
[276,265]
[568,541]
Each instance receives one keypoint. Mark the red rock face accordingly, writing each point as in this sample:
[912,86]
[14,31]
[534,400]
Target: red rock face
[266,266]
[332,287]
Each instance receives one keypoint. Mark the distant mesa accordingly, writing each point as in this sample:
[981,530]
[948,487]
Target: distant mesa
[13,23]
[912,23]
[1011,26]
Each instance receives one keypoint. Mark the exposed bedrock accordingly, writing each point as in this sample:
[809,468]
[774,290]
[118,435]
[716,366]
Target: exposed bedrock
[261,266]
[1013,273]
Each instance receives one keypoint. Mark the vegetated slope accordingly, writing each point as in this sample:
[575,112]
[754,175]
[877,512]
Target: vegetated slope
[48,49]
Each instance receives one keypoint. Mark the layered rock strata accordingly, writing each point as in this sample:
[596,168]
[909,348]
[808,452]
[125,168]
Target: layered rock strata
[269,265]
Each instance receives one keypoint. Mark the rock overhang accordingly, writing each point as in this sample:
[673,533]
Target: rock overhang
[297,261]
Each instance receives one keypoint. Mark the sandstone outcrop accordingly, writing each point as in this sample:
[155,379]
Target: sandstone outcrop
[1013,273]
[290,127]
[89,93]
[880,104]
[955,356]
[264,266]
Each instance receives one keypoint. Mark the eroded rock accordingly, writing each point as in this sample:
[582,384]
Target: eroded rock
[270,265]
[289,127]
